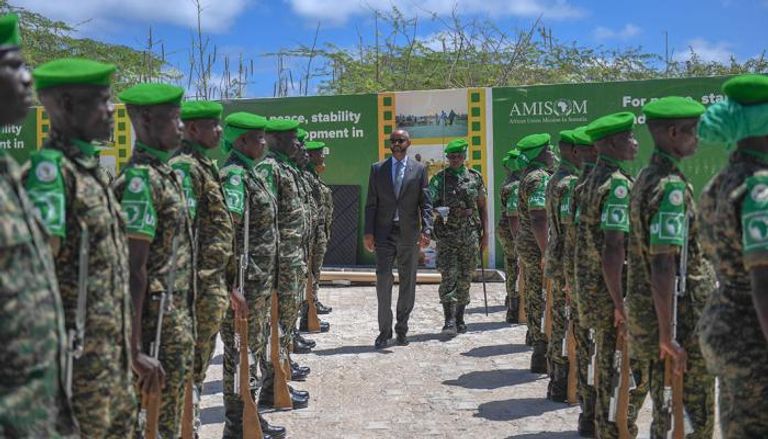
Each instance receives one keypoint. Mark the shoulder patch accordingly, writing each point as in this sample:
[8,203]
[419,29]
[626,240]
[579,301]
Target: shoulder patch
[566,201]
[183,171]
[668,224]
[754,215]
[512,206]
[234,188]
[615,209]
[137,203]
[266,171]
[538,198]
[45,187]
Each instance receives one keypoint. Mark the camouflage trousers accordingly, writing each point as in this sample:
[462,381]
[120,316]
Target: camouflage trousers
[510,262]
[533,293]
[290,287]
[103,397]
[584,349]
[559,322]
[319,247]
[456,260]
[258,320]
[209,312]
[176,356]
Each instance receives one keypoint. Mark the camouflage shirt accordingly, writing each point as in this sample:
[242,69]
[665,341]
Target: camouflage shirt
[211,222]
[243,188]
[458,190]
[510,184]
[324,201]
[32,396]
[660,200]
[603,206]
[531,196]
[86,206]
[156,211]
[570,220]
[311,206]
[559,190]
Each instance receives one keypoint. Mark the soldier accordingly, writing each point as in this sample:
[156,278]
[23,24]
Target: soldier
[211,228]
[279,171]
[508,199]
[33,396]
[735,212]
[559,191]
[248,197]
[603,223]
[459,197]
[160,249]
[324,198]
[584,344]
[531,240]
[82,215]
[661,205]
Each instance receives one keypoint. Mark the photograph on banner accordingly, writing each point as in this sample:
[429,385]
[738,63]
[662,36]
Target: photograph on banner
[432,116]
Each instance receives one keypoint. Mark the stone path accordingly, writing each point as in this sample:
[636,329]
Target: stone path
[474,385]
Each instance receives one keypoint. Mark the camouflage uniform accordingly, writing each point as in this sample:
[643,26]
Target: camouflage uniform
[212,231]
[731,339]
[69,190]
[280,174]
[33,402]
[240,182]
[509,187]
[582,334]
[659,200]
[458,239]
[559,191]
[304,178]
[154,204]
[532,196]
[603,205]
[324,200]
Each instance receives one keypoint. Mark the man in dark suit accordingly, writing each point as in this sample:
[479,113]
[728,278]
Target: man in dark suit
[398,219]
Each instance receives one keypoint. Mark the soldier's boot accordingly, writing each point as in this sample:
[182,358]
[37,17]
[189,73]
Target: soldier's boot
[559,383]
[297,336]
[322,309]
[539,358]
[461,327]
[273,431]
[449,311]
[586,425]
[304,322]
[233,418]
[512,310]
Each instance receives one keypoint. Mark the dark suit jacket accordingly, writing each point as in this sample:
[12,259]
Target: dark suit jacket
[413,200]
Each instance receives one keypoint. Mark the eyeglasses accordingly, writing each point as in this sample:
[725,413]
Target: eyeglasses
[455,156]
[397,140]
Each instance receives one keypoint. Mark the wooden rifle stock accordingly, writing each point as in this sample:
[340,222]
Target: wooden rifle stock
[152,403]
[251,424]
[188,418]
[282,398]
[313,321]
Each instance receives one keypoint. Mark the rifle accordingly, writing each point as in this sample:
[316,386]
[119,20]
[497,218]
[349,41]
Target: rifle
[313,321]
[522,316]
[673,383]
[188,413]
[251,424]
[618,411]
[150,402]
[569,350]
[76,336]
[592,359]
[282,396]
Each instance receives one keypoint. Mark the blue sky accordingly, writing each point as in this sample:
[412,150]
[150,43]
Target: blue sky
[716,29]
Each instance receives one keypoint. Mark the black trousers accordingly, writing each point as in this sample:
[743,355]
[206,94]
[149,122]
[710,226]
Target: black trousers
[407,256]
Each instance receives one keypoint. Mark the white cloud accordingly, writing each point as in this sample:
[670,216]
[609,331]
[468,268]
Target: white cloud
[625,33]
[720,51]
[217,15]
[339,11]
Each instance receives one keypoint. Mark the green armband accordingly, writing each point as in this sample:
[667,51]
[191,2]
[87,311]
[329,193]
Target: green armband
[183,172]
[565,202]
[45,187]
[137,203]
[513,200]
[538,199]
[267,173]
[615,213]
[668,224]
[234,190]
[754,216]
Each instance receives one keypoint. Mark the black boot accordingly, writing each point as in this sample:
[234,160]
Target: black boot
[300,348]
[539,358]
[449,311]
[513,310]
[270,430]
[461,327]
[297,336]
[322,309]
[586,426]
[559,383]
[304,325]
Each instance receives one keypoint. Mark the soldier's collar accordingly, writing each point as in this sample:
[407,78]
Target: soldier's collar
[588,166]
[85,147]
[566,164]
[194,146]
[458,171]
[611,161]
[249,162]
[161,155]
[665,156]
[759,155]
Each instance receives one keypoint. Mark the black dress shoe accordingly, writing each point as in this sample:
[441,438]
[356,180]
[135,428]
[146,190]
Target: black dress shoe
[402,340]
[322,309]
[382,341]
[269,430]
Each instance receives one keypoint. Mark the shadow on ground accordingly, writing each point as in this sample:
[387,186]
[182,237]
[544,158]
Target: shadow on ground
[511,409]
[493,351]
[486,326]
[213,387]
[548,435]
[212,415]
[350,350]
[481,309]
[493,379]
[218,359]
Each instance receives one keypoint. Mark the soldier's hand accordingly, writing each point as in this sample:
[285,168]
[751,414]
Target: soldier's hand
[151,373]
[368,242]
[619,317]
[424,241]
[676,352]
[239,305]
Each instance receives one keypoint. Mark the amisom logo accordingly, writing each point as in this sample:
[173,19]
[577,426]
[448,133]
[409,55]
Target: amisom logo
[543,111]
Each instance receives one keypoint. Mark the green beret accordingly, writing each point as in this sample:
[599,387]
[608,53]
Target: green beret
[246,121]
[313,146]
[191,110]
[747,89]
[615,123]
[533,141]
[152,94]
[456,145]
[281,125]
[566,136]
[673,107]
[580,137]
[301,134]
[72,71]
[9,31]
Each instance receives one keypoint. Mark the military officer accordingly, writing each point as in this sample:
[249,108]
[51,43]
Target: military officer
[324,198]
[509,189]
